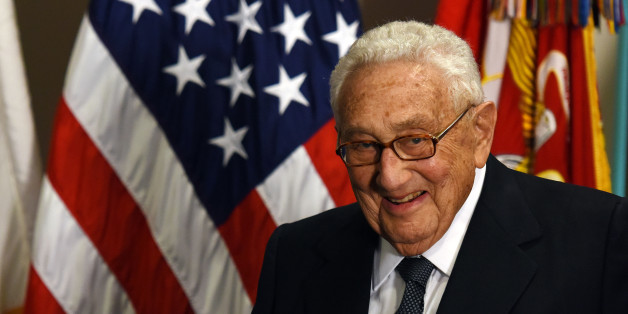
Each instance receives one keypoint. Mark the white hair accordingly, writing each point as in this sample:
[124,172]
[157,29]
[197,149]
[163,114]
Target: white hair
[428,45]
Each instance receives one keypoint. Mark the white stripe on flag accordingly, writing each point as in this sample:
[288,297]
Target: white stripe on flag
[494,60]
[294,190]
[128,136]
[69,264]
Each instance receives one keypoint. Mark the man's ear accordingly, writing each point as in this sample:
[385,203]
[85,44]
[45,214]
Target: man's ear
[484,126]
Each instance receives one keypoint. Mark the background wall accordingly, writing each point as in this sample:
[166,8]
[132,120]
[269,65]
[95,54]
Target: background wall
[48,29]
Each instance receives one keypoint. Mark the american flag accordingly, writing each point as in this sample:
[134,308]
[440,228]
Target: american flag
[186,132]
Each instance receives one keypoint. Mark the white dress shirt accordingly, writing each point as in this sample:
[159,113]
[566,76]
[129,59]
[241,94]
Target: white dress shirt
[387,286]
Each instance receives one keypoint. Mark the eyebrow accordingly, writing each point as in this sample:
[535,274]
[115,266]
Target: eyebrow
[352,131]
[416,122]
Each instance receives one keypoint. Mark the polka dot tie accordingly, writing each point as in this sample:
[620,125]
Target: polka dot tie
[415,272]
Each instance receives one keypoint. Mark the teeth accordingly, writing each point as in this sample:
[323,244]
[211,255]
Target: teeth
[407,198]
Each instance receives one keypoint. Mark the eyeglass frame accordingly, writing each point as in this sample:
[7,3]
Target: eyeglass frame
[434,138]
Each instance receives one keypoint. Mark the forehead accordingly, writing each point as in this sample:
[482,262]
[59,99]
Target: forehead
[392,96]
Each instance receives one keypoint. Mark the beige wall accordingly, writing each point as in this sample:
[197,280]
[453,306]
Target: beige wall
[377,12]
[48,29]
[606,54]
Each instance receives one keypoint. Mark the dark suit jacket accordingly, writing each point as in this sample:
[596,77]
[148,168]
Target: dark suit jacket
[532,246]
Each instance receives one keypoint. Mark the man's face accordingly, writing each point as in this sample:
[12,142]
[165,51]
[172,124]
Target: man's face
[409,203]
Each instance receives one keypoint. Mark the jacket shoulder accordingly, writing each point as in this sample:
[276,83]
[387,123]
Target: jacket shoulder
[559,196]
[321,225]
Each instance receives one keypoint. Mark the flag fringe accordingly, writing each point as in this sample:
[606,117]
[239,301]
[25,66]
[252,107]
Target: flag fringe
[551,12]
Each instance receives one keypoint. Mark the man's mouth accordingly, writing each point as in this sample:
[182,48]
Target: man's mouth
[406,199]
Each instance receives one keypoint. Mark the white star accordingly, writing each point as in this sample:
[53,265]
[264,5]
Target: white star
[292,28]
[193,11]
[238,82]
[287,90]
[245,18]
[231,142]
[344,36]
[186,70]
[140,5]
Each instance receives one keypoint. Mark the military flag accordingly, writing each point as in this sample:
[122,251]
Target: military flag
[543,82]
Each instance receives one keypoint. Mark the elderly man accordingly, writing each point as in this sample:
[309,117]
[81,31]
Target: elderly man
[440,224]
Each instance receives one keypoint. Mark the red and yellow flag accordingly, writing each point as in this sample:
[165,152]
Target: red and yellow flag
[552,105]
[589,164]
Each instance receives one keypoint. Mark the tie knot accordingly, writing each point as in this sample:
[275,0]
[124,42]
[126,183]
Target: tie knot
[415,269]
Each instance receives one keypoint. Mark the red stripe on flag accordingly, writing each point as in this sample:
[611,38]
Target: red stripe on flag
[38,297]
[467,19]
[329,167]
[246,233]
[111,219]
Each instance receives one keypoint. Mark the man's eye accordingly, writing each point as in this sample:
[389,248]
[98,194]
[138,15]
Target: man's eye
[417,140]
[364,146]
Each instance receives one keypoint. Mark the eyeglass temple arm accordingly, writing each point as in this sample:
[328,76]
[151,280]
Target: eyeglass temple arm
[444,132]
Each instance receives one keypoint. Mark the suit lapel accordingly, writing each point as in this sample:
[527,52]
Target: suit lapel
[491,270]
[342,283]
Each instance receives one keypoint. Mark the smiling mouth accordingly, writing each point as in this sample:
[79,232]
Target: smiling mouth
[406,199]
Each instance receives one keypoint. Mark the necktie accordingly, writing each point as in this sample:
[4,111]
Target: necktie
[415,272]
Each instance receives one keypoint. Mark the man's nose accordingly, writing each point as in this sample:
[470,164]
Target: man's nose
[393,172]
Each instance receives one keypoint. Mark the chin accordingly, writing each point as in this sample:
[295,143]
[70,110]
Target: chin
[404,238]
[407,237]
[410,234]
[410,249]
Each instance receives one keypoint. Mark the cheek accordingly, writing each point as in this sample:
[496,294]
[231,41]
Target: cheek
[361,182]
[453,176]
[366,195]
[361,178]
[451,168]
[440,170]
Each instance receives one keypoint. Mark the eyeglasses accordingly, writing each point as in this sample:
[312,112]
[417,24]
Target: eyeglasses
[408,147]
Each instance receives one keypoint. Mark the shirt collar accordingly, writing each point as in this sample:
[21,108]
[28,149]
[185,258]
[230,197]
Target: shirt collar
[444,252]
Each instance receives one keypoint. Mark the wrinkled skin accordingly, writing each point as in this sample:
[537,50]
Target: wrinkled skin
[383,101]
